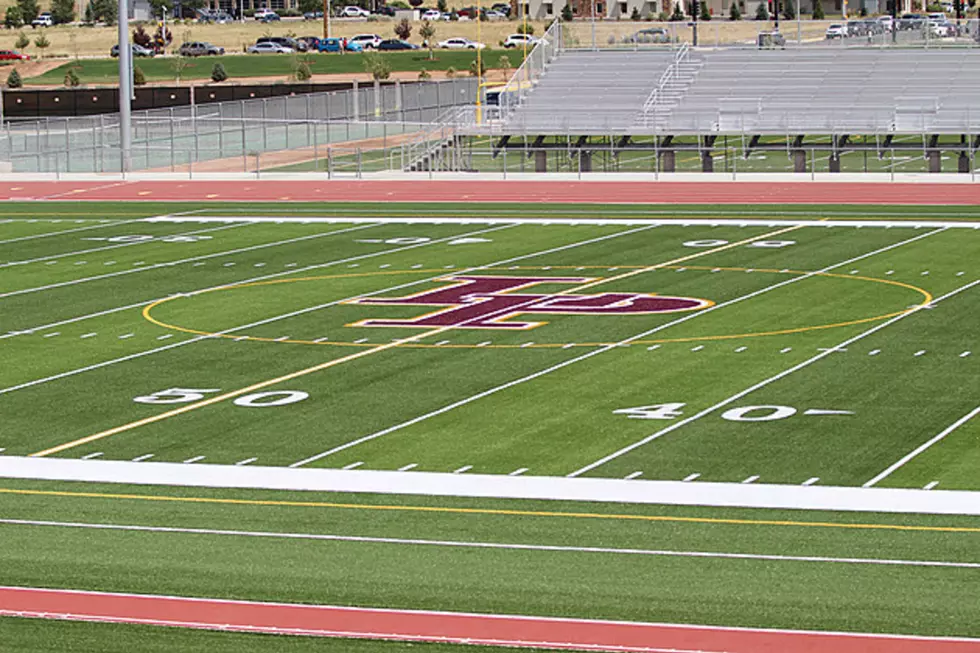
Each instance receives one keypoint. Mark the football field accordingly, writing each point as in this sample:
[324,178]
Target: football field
[806,349]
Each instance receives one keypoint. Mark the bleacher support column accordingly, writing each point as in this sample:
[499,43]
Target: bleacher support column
[668,159]
[934,155]
[799,160]
[585,161]
[833,163]
[707,159]
[541,161]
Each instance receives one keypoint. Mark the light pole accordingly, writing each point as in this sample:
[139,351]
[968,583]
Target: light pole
[125,90]
[593,25]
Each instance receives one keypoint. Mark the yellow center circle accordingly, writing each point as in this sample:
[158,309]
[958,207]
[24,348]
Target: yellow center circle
[147,311]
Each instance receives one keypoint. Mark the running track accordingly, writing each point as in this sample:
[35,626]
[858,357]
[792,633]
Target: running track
[409,625]
[603,192]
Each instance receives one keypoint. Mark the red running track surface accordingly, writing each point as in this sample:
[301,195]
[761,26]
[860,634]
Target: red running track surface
[409,625]
[601,192]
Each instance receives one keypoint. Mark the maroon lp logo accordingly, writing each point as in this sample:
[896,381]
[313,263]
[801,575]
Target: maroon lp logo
[476,302]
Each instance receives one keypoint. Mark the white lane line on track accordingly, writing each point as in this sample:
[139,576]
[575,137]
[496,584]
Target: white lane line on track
[930,485]
[630,477]
[194,459]
[353,465]
[68,231]
[761,384]
[495,545]
[518,472]
[751,479]
[139,459]
[153,240]
[247,461]
[923,447]
[590,354]
[463,469]
[92,455]
[203,257]
[811,481]
[408,467]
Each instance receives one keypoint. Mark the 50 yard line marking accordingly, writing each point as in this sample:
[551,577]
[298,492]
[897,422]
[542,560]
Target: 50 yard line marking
[381,348]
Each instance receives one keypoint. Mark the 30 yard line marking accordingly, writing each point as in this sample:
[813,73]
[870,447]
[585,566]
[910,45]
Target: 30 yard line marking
[329,537]
[322,366]
[609,347]
[923,447]
[486,511]
[763,383]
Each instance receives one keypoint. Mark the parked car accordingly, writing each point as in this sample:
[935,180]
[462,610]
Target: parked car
[285,41]
[767,40]
[836,31]
[941,29]
[494,15]
[366,41]
[910,21]
[268,47]
[651,35]
[43,20]
[138,51]
[385,10]
[886,22]
[266,15]
[351,11]
[219,17]
[313,15]
[503,8]
[334,45]
[13,55]
[856,28]
[519,40]
[397,44]
[199,49]
[459,43]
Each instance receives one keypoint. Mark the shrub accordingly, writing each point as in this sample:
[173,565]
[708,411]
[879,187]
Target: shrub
[525,29]
[705,12]
[663,17]
[482,70]
[403,29]
[817,10]
[303,72]
[566,14]
[218,73]
[22,41]
[634,15]
[789,9]
[13,18]
[376,64]
[14,80]
[71,79]
[139,79]
[504,64]
[678,14]
[735,13]
[450,72]
[424,75]
[762,13]
[42,42]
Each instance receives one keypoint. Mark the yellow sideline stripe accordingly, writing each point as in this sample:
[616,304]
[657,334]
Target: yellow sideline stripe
[493,511]
[367,352]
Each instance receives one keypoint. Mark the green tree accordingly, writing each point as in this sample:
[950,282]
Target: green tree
[817,10]
[178,65]
[428,33]
[377,64]
[139,78]
[403,29]
[678,14]
[218,73]
[14,80]
[157,7]
[505,65]
[88,16]
[478,72]
[789,9]
[13,19]
[71,78]
[735,13]
[450,72]
[310,6]
[566,14]
[303,72]
[762,12]
[635,14]
[42,43]
[443,6]
[22,41]
[424,75]
[28,10]
[705,12]
[105,10]
[63,11]
[141,37]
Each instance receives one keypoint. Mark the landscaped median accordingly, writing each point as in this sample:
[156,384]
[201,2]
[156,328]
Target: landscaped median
[165,69]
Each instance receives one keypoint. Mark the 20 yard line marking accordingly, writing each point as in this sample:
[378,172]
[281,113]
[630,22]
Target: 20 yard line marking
[316,368]
[605,348]
[923,447]
[493,545]
[781,375]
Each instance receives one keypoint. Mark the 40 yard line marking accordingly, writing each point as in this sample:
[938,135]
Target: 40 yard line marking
[322,366]
[764,383]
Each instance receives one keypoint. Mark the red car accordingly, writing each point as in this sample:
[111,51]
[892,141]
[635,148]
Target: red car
[13,55]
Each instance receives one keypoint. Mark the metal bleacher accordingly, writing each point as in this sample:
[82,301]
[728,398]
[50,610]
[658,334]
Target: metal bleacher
[810,90]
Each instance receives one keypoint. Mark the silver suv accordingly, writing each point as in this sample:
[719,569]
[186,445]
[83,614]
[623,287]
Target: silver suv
[199,49]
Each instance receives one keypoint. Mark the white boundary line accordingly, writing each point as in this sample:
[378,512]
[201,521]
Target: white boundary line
[153,240]
[915,452]
[495,616]
[677,222]
[102,225]
[495,545]
[284,316]
[765,382]
[594,352]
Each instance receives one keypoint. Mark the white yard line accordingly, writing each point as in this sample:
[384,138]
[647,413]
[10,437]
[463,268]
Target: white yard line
[154,240]
[530,377]
[923,447]
[677,222]
[772,379]
[188,260]
[495,545]
[68,231]
[121,359]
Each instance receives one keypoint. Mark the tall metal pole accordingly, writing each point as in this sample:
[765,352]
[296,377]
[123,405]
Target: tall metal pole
[593,25]
[125,90]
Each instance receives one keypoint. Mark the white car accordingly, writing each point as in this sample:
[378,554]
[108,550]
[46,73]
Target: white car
[941,29]
[432,14]
[495,15]
[836,31]
[519,40]
[886,22]
[268,47]
[350,11]
[262,13]
[43,20]
[366,40]
[459,43]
